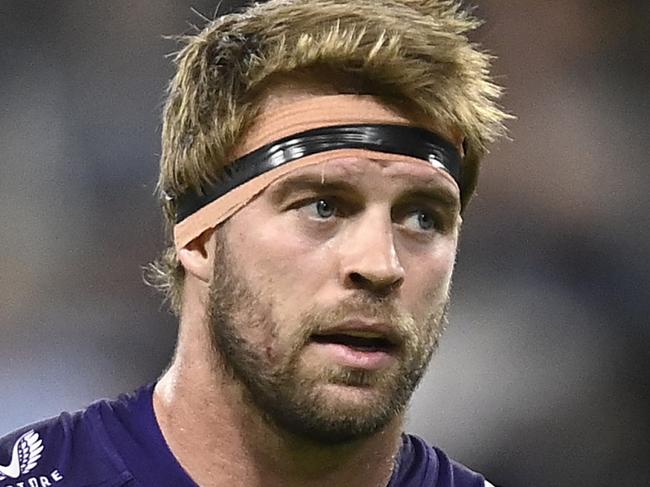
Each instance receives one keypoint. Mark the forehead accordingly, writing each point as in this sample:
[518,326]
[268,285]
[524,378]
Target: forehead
[371,174]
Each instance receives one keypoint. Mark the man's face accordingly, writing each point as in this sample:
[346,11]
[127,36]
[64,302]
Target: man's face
[330,291]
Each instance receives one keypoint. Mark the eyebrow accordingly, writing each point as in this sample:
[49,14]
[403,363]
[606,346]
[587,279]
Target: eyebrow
[431,188]
[437,194]
[308,182]
[428,189]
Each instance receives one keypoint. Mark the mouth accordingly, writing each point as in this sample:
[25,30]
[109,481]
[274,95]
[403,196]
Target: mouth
[357,348]
[361,341]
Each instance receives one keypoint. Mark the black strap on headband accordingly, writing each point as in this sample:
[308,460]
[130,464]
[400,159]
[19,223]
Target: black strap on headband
[393,139]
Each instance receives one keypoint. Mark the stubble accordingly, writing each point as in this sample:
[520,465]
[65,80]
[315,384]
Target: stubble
[274,378]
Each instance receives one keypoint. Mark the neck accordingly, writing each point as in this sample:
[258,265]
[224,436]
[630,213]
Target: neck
[220,438]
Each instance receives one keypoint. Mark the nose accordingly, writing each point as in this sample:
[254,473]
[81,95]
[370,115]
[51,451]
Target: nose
[369,259]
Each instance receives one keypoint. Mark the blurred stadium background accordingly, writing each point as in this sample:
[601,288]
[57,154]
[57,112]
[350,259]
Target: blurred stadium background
[543,376]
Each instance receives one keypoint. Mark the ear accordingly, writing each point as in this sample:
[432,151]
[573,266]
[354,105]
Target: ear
[197,257]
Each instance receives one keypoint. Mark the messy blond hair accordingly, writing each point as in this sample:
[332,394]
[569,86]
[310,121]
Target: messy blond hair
[416,51]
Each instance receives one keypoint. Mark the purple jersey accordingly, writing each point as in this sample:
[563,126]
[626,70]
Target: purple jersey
[119,444]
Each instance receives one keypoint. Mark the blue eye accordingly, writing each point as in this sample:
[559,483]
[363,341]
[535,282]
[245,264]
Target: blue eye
[426,220]
[421,220]
[324,208]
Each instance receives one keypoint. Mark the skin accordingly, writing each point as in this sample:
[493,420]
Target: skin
[298,259]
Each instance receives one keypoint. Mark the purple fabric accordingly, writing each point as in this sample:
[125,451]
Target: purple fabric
[420,465]
[119,444]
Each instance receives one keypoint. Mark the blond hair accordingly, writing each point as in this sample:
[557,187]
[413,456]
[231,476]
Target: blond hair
[416,51]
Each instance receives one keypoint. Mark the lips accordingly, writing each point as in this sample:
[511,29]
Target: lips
[359,344]
[362,341]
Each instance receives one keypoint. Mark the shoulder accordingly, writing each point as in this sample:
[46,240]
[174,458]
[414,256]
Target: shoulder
[70,449]
[432,466]
[455,473]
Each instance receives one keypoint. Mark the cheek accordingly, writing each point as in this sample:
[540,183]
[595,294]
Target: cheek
[285,268]
[428,278]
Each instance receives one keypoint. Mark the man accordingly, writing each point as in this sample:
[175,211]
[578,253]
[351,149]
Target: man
[317,156]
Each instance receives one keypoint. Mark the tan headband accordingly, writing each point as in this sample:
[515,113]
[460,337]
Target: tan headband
[310,113]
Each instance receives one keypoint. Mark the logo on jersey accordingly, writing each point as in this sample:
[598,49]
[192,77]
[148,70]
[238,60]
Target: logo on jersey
[25,454]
